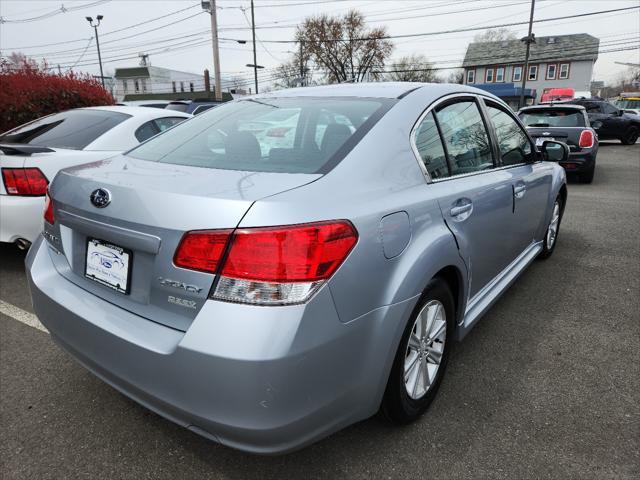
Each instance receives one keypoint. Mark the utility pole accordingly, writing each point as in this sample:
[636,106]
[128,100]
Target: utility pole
[95,27]
[210,5]
[302,82]
[529,39]
[253,33]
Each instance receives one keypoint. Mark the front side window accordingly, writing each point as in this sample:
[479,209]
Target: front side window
[288,135]
[517,74]
[489,75]
[74,129]
[513,143]
[551,72]
[533,72]
[465,137]
[564,71]
[471,76]
[609,109]
[500,74]
[429,146]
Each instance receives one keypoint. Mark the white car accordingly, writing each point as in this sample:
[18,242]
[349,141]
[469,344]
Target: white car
[32,154]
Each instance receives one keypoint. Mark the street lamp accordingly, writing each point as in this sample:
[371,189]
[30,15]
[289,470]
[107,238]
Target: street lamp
[95,27]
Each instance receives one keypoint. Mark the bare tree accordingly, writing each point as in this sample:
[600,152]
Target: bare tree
[344,46]
[495,35]
[294,73]
[456,76]
[412,68]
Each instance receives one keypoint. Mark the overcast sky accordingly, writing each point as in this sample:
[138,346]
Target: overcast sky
[170,44]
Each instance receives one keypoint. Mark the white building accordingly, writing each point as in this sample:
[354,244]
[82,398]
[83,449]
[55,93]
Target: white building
[154,80]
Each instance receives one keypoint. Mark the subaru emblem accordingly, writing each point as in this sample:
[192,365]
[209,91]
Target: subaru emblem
[100,197]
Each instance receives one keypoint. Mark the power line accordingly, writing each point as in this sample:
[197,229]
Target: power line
[53,13]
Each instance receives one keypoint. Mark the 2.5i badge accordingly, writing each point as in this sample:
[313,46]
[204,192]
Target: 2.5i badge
[181,302]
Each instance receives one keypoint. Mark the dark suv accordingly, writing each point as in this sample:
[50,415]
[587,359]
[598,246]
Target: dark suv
[610,122]
[568,124]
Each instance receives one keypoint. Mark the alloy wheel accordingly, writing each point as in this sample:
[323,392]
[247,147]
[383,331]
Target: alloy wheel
[425,349]
[552,231]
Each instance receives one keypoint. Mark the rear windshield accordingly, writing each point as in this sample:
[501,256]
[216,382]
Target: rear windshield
[178,107]
[291,135]
[553,118]
[74,129]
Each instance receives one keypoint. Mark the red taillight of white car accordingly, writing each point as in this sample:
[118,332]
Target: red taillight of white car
[586,139]
[48,209]
[24,181]
[268,266]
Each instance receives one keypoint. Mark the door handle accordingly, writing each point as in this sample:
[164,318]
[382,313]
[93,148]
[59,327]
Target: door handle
[459,210]
[519,191]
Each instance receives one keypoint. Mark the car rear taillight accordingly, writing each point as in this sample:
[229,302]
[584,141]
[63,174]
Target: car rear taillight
[24,181]
[273,265]
[48,209]
[586,139]
[202,250]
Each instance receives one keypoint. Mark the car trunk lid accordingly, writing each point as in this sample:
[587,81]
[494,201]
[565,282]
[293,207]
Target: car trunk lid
[151,206]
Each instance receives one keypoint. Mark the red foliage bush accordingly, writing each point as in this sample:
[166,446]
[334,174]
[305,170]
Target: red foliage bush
[30,91]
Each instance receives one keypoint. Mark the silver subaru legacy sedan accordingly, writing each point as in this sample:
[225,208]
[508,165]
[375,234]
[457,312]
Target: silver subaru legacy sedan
[285,265]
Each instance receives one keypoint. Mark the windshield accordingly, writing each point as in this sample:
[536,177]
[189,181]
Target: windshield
[553,118]
[74,129]
[628,103]
[291,135]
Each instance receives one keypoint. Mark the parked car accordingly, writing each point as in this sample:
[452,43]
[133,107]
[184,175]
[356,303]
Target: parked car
[267,297]
[629,102]
[556,94]
[610,122]
[194,107]
[146,103]
[33,153]
[569,124]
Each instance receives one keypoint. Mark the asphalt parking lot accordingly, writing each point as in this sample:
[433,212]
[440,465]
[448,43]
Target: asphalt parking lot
[547,385]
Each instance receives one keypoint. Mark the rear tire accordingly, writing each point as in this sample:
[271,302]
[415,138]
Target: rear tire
[587,177]
[630,136]
[553,230]
[421,358]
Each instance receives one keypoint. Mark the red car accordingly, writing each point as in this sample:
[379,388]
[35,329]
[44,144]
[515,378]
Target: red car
[557,94]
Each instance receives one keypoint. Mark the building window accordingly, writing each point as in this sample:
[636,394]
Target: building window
[125,86]
[551,71]
[533,72]
[173,86]
[500,74]
[488,76]
[182,86]
[564,71]
[517,74]
[471,76]
[144,85]
[136,86]
[191,86]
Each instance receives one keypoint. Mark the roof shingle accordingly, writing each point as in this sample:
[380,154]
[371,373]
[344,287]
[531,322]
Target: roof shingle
[580,46]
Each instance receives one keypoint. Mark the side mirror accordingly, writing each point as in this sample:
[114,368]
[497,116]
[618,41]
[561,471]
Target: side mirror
[553,151]
[620,113]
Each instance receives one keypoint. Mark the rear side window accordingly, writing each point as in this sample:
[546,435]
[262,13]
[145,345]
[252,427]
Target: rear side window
[513,143]
[553,118]
[465,138]
[74,129]
[290,135]
[167,122]
[429,146]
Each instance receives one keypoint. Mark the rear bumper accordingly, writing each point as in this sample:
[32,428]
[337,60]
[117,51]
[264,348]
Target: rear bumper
[261,379]
[580,161]
[20,217]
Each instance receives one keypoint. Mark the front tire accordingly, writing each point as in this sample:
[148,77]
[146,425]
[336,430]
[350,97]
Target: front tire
[422,355]
[630,136]
[551,235]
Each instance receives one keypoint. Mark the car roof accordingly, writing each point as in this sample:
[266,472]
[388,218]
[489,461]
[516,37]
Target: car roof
[367,90]
[138,111]
[572,106]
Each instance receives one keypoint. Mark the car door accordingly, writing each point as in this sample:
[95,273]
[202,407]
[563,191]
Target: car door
[613,124]
[530,179]
[474,196]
